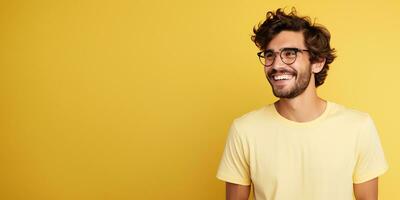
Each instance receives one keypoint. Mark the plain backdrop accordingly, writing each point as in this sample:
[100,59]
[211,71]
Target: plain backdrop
[133,99]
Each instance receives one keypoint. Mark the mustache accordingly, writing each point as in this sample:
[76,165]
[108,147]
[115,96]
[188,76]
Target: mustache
[282,71]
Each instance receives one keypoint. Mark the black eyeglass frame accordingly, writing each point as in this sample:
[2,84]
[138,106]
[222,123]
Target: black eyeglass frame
[296,50]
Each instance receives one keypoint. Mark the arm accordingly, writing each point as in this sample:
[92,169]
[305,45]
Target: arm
[367,190]
[237,192]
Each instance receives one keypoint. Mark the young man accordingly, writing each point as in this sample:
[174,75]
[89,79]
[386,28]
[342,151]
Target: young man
[301,147]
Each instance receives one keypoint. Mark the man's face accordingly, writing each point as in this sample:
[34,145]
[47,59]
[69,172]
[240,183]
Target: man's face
[289,81]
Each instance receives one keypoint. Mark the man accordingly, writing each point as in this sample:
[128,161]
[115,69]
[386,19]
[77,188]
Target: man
[301,147]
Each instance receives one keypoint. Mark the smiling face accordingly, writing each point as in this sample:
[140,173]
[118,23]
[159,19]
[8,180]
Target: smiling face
[289,81]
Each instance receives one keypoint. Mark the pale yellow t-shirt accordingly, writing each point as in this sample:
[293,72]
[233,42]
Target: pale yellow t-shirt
[315,160]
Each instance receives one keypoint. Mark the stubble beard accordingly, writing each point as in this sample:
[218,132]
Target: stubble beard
[301,83]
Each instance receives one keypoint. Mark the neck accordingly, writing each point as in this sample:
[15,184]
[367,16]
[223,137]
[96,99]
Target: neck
[303,108]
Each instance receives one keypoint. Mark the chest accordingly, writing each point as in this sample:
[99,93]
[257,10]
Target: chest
[302,157]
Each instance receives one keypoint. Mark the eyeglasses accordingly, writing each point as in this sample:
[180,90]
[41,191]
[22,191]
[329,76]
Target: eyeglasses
[288,56]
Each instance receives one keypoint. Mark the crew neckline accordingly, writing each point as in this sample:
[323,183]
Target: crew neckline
[281,118]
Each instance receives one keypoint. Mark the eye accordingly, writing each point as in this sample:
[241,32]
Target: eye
[289,53]
[268,54]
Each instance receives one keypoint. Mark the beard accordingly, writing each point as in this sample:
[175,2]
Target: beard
[301,83]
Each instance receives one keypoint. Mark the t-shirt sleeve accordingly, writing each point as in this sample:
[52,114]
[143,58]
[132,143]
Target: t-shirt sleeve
[370,158]
[234,164]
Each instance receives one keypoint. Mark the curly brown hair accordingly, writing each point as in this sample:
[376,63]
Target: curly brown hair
[316,37]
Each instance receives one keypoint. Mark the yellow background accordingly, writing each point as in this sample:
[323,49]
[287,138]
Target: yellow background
[133,99]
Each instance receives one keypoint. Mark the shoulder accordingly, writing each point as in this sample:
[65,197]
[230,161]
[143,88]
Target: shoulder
[348,114]
[252,115]
[254,119]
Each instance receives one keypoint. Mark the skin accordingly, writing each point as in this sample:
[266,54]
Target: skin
[367,190]
[237,192]
[304,107]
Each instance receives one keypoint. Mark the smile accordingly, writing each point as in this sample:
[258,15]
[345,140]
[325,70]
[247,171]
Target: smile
[282,77]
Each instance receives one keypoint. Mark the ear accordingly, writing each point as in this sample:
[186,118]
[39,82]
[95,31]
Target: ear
[317,66]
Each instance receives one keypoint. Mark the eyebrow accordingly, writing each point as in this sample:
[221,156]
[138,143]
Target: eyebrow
[283,48]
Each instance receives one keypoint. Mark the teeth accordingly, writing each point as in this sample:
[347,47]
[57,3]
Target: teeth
[283,77]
